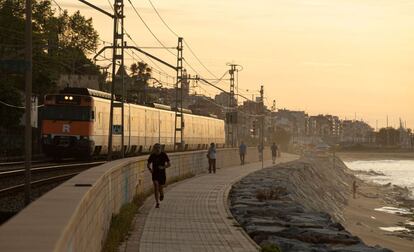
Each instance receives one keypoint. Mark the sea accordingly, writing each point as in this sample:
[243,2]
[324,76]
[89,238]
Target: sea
[397,172]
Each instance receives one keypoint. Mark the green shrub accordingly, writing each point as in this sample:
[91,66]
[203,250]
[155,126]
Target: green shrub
[270,248]
[120,226]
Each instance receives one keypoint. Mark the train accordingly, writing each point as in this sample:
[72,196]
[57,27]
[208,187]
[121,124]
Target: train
[75,123]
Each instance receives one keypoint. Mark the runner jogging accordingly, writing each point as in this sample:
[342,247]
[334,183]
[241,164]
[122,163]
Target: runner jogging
[160,162]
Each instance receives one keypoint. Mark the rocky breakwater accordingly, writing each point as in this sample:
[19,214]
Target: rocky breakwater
[298,206]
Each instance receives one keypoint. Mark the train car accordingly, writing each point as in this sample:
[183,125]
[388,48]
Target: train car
[76,124]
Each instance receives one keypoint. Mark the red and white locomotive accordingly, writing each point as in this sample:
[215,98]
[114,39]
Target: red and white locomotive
[75,123]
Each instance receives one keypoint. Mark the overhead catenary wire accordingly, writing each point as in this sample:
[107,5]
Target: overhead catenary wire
[127,34]
[152,69]
[185,42]
[17,107]
[229,108]
[149,29]
[155,65]
[60,8]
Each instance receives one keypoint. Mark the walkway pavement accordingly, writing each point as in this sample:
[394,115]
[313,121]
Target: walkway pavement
[194,216]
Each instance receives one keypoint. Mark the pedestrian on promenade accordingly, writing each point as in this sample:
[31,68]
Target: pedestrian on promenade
[354,189]
[242,152]
[274,150]
[260,150]
[211,155]
[160,161]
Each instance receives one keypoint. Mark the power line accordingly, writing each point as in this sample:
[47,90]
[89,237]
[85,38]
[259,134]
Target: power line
[199,61]
[60,8]
[188,46]
[163,21]
[152,61]
[136,44]
[18,107]
[217,81]
[149,29]
[152,69]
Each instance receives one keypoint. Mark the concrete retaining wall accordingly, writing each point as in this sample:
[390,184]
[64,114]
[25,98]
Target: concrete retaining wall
[76,215]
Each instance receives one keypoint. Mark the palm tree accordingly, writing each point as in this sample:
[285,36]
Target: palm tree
[141,74]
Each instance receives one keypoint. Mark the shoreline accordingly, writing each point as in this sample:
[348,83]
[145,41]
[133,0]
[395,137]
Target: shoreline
[305,189]
[368,156]
[362,220]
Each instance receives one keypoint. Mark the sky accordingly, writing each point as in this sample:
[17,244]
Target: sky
[351,58]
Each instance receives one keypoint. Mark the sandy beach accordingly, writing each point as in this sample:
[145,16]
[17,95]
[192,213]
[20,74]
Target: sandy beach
[313,195]
[363,221]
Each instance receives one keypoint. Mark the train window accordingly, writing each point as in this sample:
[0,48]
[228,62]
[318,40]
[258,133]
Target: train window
[68,113]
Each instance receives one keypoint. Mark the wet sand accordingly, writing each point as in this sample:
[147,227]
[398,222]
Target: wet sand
[363,221]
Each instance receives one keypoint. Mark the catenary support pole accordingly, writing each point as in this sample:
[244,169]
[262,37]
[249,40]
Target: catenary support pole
[111,111]
[262,123]
[28,84]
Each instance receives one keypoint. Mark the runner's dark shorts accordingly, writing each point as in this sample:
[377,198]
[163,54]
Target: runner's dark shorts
[159,175]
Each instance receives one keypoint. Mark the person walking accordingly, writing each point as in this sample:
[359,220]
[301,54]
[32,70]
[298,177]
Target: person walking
[211,155]
[260,150]
[160,162]
[242,152]
[274,150]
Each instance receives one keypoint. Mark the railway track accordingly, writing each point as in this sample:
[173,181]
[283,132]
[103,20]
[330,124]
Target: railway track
[13,179]
[44,179]
[20,187]
[13,163]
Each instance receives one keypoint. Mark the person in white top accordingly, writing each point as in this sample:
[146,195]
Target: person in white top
[211,155]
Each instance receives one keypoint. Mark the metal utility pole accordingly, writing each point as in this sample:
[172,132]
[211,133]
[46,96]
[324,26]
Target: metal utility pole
[28,84]
[121,15]
[388,133]
[232,113]
[117,55]
[179,116]
[262,123]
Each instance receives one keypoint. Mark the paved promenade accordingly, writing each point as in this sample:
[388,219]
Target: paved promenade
[194,216]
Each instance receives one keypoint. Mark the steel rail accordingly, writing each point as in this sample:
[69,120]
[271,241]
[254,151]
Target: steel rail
[16,172]
[20,187]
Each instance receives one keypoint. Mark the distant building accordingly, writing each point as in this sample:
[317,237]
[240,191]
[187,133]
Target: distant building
[320,125]
[405,137]
[354,131]
[223,99]
[292,121]
[203,105]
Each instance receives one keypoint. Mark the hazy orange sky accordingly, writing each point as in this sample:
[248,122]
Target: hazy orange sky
[342,57]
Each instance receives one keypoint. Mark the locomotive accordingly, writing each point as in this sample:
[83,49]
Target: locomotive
[75,123]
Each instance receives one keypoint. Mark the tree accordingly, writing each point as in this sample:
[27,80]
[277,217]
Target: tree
[141,74]
[282,137]
[388,137]
[61,44]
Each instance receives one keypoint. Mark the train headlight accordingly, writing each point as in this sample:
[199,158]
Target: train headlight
[66,97]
